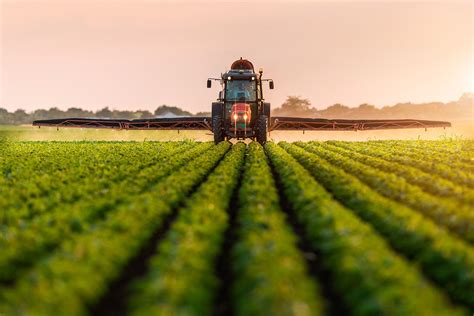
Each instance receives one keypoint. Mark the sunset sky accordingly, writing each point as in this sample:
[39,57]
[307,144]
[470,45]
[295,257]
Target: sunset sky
[141,54]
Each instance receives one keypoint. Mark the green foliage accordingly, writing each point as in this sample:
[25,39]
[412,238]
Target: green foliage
[457,217]
[357,258]
[270,273]
[431,183]
[68,279]
[446,259]
[426,161]
[295,106]
[390,223]
[180,280]
[88,202]
[166,110]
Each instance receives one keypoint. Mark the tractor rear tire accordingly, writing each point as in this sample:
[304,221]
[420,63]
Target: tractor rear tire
[262,123]
[218,129]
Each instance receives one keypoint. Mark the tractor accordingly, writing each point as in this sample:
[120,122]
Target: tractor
[241,111]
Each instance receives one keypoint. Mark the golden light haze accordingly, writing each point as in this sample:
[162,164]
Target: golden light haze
[141,54]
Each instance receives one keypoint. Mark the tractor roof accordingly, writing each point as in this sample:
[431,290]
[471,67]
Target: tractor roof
[242,64]
[241,69]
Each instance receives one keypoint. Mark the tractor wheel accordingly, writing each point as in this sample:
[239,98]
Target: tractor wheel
[218,128]
[262,124]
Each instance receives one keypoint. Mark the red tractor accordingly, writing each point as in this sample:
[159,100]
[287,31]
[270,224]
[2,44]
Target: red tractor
[241,111]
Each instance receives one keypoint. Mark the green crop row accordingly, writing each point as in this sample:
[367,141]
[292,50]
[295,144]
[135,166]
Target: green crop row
[86,225]
[269,271]
[79,272]
[421,162]
[81,177]
[365,273]
[22,245]
[32,172]
[459,159]
[180,278]
[442,146]
[457,217]
[453,152]
[95,176]
[428,182]
[445,259]
[46,156]
[52,159]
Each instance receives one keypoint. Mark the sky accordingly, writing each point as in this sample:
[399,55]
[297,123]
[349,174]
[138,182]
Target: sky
[144,53]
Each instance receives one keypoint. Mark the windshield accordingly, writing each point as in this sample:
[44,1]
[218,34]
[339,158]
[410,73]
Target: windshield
[241,90]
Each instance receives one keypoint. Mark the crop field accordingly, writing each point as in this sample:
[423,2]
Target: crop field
[193,228]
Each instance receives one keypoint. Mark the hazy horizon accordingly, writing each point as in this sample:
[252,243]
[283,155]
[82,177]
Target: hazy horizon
[141,54]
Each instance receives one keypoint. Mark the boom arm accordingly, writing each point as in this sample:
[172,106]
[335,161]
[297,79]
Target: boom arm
[312,124]
[176,123]
[276,123]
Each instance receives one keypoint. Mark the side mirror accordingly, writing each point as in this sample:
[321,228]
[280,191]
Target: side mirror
[209,83]
[272,86]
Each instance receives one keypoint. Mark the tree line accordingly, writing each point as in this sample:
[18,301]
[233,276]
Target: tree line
[457,110]
[293,106]
[22,117]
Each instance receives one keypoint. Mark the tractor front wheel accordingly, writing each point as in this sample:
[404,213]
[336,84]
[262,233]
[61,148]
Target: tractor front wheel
[262,123]
[218,129]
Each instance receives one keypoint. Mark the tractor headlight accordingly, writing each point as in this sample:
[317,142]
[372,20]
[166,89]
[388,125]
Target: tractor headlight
[245,117]
[235,117]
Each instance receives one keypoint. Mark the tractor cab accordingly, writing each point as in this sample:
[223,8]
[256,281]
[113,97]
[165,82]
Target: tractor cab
[240,111]
[240,100]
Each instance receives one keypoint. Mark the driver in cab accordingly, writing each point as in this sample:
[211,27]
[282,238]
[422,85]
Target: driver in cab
[240,93]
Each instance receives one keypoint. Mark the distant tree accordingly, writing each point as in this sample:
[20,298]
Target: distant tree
[40,114]
[53,112]
[365,111]
[117,114]
[5,116]
[203,114]
[20,117]
[295,106]
[142,114]
[336,111]
[337,108]
[78,112]
[165,109]
[3,113]
[366,107]
[467,100]
[105,112]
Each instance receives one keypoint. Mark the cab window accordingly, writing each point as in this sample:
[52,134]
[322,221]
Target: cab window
[241,90]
